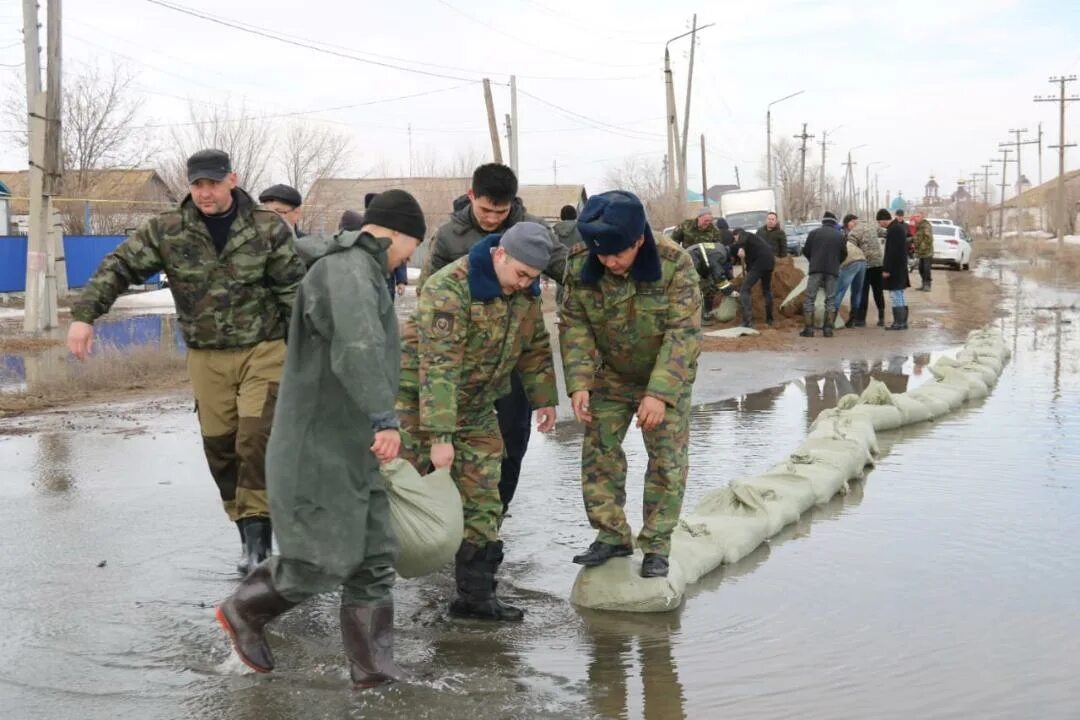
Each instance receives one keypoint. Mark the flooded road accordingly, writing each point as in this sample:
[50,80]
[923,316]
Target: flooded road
[944,586]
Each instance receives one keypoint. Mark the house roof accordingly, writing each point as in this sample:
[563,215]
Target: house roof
[111,186]
[329,197]
[1038,195]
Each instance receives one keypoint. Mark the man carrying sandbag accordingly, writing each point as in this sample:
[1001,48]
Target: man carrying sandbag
[478,320]
[630,335]
[335,424]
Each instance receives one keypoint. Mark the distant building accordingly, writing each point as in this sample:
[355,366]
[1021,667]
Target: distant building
[931,197]
[1040,207]
[99,202]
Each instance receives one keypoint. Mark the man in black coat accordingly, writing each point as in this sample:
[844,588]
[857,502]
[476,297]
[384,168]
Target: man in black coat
[759,264]
[894,273]
[826,249]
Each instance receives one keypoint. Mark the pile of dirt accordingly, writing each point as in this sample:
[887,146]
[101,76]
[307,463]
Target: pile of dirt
[785,278]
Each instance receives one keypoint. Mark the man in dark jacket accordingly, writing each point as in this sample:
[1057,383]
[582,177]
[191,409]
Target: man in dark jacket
[492,207]
[713,269]
[773,234]
[895,269]
[825,249]
[758,264]
[336,425]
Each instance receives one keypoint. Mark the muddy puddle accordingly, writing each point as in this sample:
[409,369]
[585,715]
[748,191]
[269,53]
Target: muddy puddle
[943,586]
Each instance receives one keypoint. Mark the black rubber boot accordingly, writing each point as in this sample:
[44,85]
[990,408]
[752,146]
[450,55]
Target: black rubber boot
[599,553]
[830,323]
[368,635]
[654,566]
[899,316]
[807,331]
[474,572]
[246,612]
[904,316]
[257,538]
[242,565]
[852,321]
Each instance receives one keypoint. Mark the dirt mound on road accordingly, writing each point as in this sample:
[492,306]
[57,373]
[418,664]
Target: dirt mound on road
[784,279]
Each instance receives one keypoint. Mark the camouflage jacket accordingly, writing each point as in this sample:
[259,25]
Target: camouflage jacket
[625,338]
[466,338]
[924,239]
[867,238]
[455,238]
[233,300]
[688,233]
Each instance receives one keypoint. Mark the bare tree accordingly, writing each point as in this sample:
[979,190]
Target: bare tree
[645,178]
[427,163]
[248,140]
[309,152]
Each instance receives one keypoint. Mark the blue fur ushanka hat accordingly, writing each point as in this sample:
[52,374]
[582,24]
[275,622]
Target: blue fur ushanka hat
[610,223]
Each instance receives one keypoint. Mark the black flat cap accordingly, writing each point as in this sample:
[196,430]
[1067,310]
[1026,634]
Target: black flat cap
[282,193]
[209,165]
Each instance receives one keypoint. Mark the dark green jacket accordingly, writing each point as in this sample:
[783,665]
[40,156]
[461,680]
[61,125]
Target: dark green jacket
[233,300]
[455,238]
[339,384]
[776,239]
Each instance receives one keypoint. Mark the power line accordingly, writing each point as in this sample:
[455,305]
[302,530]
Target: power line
[523,41]
[618,130]
[303,44]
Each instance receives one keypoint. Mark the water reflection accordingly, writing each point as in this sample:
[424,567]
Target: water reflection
[613,665]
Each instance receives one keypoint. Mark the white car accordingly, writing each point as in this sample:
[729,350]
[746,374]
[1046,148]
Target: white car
[952,246]
[940,221]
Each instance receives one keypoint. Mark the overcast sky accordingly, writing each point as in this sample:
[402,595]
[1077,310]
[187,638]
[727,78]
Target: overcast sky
[928,86]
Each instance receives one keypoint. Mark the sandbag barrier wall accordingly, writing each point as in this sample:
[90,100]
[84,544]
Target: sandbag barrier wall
[730,522]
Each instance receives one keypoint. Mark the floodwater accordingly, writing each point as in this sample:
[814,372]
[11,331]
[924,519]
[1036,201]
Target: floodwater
[943,586]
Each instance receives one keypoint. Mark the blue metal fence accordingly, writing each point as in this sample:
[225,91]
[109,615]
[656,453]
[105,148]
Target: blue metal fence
[83,254]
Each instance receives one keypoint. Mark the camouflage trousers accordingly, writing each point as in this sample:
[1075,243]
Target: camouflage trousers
[235,393]
[477,467]
[603,473]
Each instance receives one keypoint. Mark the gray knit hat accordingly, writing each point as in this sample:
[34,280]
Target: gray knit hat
[530,243]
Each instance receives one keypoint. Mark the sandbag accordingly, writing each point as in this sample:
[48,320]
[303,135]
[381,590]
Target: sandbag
[730,522]
[732,332]
[726,310]
[915,410]
[425,513]
[819,304]
[618,585]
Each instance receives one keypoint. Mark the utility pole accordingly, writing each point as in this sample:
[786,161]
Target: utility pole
[493,127]
[1042,203]
[509,136]
[53,172]
[40,268]
[686,116]
[738,182]
[1004,186]
[1061,99]
[986,184]
[1019,179]
[704,177]
[803,208]
[410,151]
[554,172]
[514,119]
[848,196]
[821,181]
[672,123]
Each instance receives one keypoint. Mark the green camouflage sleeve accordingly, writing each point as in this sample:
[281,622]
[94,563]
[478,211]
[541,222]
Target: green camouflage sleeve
[536,366]
[442,323]
[676,362]
[577,344]
[678,235]
[134,260]
[556,268]
[284,268]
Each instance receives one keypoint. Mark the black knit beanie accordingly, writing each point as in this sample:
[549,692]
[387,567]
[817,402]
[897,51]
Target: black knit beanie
[829,215]
[883,214]
[849,217]
[397,210]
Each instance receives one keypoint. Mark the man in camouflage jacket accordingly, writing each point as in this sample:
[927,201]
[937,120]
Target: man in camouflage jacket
[699,230]
[478,320]
[630,336]
[233,274]
[924,250]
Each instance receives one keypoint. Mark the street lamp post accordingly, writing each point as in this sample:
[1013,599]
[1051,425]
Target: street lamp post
[768,134]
